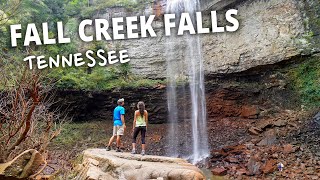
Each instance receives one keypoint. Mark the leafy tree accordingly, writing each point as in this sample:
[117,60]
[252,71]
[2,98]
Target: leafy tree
[71,12]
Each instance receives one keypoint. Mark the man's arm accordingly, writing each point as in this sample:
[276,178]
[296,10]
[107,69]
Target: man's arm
[123,122]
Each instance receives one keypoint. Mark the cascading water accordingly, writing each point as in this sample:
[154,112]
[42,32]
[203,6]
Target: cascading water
[191,69]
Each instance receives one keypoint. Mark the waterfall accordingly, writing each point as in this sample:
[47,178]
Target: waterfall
[188,68]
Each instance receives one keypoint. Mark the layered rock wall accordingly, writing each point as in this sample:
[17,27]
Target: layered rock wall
[238,95]
[270,32]
[96,105]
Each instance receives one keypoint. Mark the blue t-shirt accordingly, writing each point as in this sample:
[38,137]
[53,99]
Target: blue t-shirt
[118,111]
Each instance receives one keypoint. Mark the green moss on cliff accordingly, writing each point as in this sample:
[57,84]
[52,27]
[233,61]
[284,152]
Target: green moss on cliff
[100,78]
[305,80]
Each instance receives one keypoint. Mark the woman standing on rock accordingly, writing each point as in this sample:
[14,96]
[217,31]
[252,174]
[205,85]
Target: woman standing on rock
[140,124]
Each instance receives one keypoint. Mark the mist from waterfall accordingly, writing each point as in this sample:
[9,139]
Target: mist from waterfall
[190,69]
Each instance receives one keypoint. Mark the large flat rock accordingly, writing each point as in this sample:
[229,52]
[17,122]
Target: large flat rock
[102,164]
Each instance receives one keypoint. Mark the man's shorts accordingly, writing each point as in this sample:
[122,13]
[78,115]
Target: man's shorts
[118,130]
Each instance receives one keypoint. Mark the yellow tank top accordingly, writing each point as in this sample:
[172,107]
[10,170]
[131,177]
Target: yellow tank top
[140,121]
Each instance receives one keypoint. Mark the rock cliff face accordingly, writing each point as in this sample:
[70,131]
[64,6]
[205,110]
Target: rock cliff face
[239,66]
[100,164]
[270,32]
[249,94]
[84,106]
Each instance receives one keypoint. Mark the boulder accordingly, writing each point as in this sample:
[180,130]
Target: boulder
[280,123]
[253,166]
[219,171]
[102,164]
[270,166]
[254,131]
[288,148]
[242,171]
[263,125]
[232,160]
[24,165]
[251,112]
[268,141]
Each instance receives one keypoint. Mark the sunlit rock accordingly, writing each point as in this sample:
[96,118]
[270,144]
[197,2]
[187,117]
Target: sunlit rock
[102,164]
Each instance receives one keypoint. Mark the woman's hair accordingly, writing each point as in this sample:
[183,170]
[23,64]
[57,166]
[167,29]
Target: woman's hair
[141,108]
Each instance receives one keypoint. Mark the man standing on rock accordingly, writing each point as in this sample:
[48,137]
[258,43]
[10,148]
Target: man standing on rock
[119,124]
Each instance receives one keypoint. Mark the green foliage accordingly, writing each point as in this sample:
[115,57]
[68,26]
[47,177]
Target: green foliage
[125,70]
[306,81]
[56,10]
[83,9]
[100,78]
[3,39]
[33,12]
[70,12]
[81,134]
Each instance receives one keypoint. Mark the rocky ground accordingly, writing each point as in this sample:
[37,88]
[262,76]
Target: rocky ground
[289,139]
[242,148]
[64,152]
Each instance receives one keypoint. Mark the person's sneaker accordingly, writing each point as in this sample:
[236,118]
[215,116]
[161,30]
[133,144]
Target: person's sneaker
[108,148]
[133,151]
[118,150]
[143,152]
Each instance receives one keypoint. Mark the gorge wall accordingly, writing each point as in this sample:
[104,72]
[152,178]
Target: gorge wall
[245,70]
[270,31]
[99,105]
[254,93]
